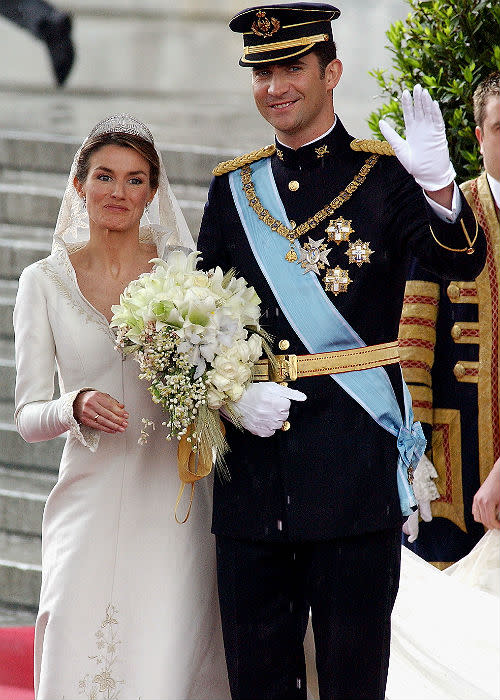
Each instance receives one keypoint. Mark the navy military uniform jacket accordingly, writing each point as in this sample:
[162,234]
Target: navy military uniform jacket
[334,472]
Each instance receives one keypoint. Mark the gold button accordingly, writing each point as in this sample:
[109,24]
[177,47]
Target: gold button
[459,370]
[286,426]
[293,185]
[456,331]
[283,345]
[453,291]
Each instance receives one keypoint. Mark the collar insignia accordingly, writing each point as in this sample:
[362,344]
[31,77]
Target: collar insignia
[321,151]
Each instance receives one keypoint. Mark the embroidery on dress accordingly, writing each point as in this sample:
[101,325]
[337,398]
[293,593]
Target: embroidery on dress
[89,437]
[104,684]
[66,293]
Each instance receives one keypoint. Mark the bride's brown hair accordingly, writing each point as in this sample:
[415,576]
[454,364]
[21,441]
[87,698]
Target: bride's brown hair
[137,143]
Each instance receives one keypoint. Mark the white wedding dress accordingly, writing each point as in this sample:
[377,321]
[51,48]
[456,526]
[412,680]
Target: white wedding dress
[128,605]
[445,640]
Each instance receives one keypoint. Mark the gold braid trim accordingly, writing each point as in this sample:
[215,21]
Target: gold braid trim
[313,221]
[383,148]
[469,249]
[228,166]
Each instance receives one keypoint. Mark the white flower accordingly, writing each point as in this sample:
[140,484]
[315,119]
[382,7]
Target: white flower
[192,334]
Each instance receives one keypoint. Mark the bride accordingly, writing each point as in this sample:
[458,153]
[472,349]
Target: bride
[128,600]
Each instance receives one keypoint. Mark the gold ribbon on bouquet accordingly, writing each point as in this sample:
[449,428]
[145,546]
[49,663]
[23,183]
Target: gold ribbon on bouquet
[195,465]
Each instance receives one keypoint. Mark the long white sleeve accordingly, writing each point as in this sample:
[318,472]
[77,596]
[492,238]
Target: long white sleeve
[38,416]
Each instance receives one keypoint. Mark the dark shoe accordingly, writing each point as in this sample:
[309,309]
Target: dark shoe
[57,36]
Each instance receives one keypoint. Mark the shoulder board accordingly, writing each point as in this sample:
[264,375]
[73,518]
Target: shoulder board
[383,148]
[229,165]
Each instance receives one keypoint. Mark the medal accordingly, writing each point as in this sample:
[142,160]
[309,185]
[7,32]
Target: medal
[359,252]
[336,280]
[339,230]
[314,256]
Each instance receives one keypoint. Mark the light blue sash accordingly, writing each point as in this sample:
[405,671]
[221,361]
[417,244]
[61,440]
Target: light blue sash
[321,327]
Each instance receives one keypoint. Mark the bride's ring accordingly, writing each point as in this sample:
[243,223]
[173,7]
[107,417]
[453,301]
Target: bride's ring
[96,417]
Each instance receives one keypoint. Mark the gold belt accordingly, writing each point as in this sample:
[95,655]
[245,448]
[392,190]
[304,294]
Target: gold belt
[291,367]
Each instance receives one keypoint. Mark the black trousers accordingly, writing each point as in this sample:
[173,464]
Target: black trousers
[266,591]
[32,15]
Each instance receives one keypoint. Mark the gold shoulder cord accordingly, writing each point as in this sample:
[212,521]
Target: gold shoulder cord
[468,249]
[383,148]
[228,166]
[292,234]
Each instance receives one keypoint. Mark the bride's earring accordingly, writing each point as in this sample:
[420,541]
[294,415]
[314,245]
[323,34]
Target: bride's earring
[84,204]
[146,214]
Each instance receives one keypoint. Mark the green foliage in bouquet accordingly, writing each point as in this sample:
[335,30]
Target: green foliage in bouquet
[447,47]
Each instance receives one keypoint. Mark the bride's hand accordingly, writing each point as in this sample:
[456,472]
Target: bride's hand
[100,411]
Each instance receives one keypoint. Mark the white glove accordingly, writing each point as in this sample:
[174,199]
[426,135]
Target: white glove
[424,154]
[425,491]
[264,407]
[410,526]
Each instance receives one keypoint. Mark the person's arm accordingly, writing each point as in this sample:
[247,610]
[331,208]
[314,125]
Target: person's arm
[455,237]
[211,237]
[486,504]
[38,415]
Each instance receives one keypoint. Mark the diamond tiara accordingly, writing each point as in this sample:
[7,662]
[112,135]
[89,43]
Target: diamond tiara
[122,123]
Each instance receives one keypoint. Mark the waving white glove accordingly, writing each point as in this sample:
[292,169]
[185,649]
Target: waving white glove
[424,154]
[425,491]
[264,407]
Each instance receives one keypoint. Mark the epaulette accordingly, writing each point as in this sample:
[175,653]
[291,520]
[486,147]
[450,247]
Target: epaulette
[383,148]
[229,165]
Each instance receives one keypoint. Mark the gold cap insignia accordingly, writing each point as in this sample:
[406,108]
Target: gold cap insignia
[263,26]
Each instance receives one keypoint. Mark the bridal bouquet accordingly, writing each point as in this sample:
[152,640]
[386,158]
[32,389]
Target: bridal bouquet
[196,337]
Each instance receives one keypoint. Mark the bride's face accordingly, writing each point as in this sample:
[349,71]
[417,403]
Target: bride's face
[116,188]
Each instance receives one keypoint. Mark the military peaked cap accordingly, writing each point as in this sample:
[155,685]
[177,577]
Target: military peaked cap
[274,33]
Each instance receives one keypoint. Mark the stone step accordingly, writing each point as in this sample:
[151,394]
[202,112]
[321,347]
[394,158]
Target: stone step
[17,615]
[6,350]
[7,379]
[22,500]
[6,326]
[153,53]
[17,252]
[49,154]
[20,569]
[15,452]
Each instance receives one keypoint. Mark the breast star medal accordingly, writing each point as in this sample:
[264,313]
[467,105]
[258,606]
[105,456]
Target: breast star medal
[314,256]
[359,252]
[339,230]
[336,280]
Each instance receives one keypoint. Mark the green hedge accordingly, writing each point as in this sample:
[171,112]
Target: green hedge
[447,47]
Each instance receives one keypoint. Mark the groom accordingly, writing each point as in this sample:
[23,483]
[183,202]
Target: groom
[322,227]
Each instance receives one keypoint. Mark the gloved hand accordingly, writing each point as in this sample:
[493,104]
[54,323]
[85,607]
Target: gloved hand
[424,154]
[264,407]
[425,491]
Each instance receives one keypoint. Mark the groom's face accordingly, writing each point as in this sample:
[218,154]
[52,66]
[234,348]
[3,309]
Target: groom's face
[295,96]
